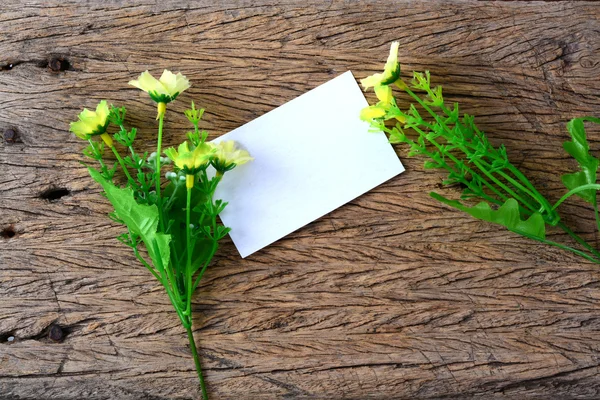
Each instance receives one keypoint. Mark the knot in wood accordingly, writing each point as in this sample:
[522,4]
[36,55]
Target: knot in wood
[10,135]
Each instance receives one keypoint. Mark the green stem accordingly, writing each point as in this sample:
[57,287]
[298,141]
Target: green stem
[578,239]
[197,362]
[188,238]
[161,217]
[503,186]
[208,260]
[456,161]
[572,250]
[578,189]
[530,189]
[158,153]
[102,165]
[479,166]
[122,164]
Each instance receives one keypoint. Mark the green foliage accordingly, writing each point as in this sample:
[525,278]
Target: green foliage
[483,172]
[179,251]
[141,220]
[579,149]
[507,215]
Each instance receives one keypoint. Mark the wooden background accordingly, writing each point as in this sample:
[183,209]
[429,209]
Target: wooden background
[392,296]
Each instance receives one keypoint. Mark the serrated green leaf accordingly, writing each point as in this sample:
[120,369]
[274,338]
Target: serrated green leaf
[142,220]
[507,215]
[579,149]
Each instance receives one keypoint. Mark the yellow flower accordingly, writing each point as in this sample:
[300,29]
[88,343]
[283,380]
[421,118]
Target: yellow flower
[91,123]
[384,94]
[191,161]
[227,156]
[163,90]
[391,71]
[382,108]
[372,112]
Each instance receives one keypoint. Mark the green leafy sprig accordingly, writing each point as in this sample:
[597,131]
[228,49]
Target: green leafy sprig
[176,223]
[453,143]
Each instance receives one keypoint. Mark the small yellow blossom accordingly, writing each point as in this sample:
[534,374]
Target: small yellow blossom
[227,156]
[372,112]
[391,71]
[163,90]
[191,161]
[382,108]
[91,123]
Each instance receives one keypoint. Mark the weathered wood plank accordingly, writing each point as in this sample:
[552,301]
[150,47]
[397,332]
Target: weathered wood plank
[391,296]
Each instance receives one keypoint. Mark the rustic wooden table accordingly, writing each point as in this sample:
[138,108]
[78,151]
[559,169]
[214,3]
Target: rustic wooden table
[391,296]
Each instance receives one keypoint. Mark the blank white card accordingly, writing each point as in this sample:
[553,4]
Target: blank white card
[311,156]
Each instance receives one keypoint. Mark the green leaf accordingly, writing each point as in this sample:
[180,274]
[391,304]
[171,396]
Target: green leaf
[579,149]
[142,220]
[507,215]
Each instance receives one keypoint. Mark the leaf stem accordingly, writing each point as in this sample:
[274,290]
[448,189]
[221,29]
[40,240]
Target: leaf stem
[197,362]
[579,239]
[575,191]
[188,238]
[158,153]
[473,173]
[122,164]
[475,162]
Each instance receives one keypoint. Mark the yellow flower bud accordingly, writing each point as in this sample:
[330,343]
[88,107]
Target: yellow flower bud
[189,181]
[162,109]
[107,139]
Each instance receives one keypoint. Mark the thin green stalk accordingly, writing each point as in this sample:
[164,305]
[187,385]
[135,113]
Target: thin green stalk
[208,260]
[479,166]
[158,153]
[102,165]
[503,186]
[578,189]
[188,237]
[168,280]
[161,217]
[214,227]
[579,239]
[533,192]
[572,250]
[122,164]
[456,161]
[197,362]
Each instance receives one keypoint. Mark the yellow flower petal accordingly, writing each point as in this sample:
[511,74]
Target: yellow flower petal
[371,81]
[191,160]
[384,94]
[163,90]
[391,72]
[372,112]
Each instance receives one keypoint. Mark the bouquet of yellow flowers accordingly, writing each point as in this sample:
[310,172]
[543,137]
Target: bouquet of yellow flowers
[176,224]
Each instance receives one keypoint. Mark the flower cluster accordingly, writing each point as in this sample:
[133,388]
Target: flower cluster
[381,84]
[223,156]
[178,226]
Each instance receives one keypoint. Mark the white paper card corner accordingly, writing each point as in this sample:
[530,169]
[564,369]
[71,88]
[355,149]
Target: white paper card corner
[311,156]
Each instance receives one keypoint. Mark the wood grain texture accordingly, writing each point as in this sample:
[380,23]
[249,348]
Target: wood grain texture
[393,296]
